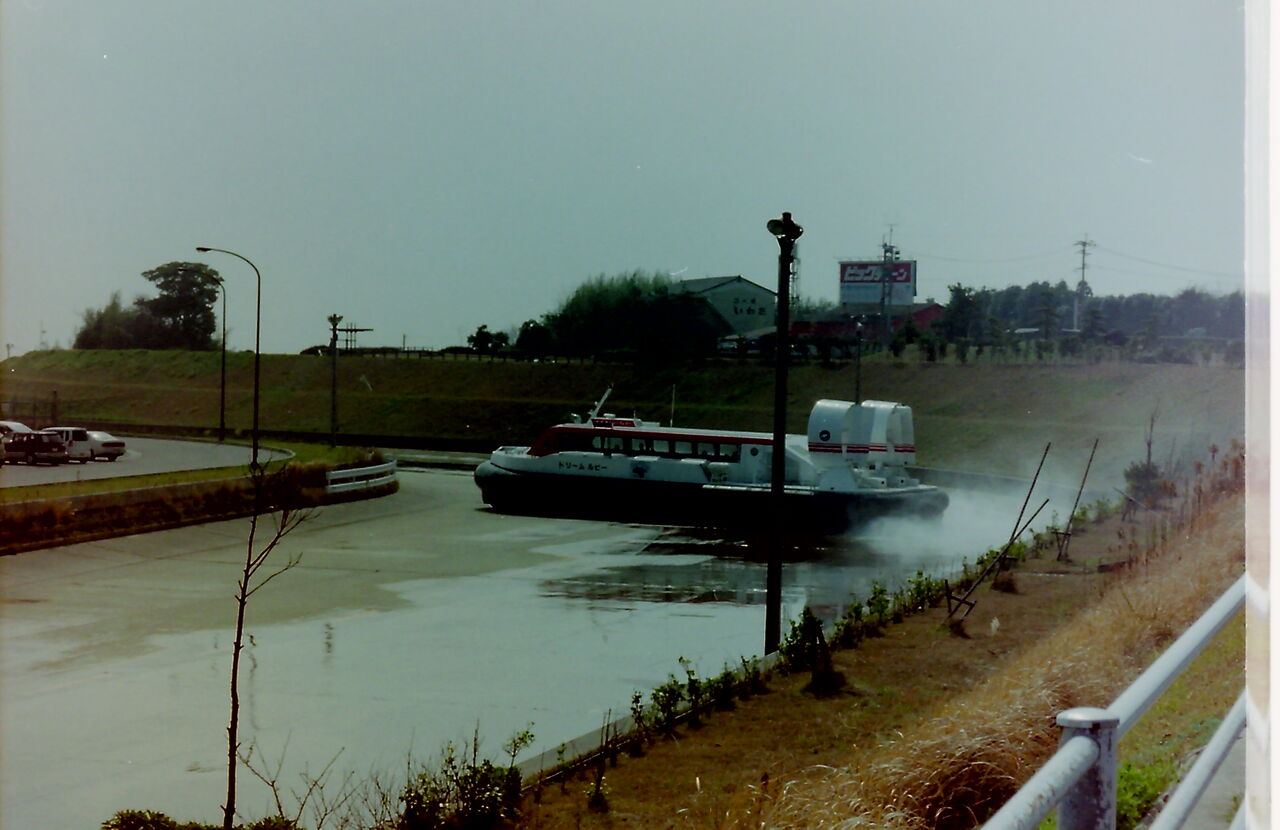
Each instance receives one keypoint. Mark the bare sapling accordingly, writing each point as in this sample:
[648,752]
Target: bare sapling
[249,583]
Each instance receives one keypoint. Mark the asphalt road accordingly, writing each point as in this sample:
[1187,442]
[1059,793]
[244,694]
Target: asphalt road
[142,456]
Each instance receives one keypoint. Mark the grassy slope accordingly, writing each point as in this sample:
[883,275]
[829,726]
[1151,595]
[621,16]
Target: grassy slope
[991,417]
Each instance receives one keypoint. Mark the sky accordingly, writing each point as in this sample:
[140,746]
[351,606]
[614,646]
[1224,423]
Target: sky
[423,168]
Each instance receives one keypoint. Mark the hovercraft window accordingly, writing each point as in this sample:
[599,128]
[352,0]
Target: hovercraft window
[572,442]
[684,448]
[729,452]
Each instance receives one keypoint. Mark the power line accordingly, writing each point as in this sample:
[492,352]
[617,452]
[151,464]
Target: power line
[1055,252]
[1128,272]
[1114,252]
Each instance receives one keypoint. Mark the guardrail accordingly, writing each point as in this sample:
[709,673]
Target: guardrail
[1080,779]
[359,478]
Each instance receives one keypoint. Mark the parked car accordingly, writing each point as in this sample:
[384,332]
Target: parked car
[8,427]
[35,448]
[105,446]
[76,440]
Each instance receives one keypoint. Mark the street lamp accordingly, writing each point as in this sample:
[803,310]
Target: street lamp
[257,347]
[222,374]
[857,361]
[334,320]
[786,232]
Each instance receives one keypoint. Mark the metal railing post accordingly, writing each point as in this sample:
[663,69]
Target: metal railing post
[1091,803]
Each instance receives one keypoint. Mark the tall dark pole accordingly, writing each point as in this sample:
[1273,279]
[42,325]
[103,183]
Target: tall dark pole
[886,277]
[334,320]
[257,348]
[222,375]
[857,363]
[786,232]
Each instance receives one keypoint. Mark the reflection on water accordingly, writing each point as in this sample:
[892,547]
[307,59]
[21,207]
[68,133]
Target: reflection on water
[689,567]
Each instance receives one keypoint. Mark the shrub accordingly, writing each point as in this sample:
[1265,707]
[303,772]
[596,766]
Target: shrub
[1137,789]
[139,820]
[666,701]
[799,648]
[471,794]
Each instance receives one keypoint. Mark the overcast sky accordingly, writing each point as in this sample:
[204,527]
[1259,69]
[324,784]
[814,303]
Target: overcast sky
[425,167]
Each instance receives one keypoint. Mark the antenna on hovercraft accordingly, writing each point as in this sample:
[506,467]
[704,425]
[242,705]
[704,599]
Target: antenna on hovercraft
[595,410]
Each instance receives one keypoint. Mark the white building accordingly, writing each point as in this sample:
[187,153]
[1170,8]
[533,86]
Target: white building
[743,305]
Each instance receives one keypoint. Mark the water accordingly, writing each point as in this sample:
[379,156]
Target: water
[412,621]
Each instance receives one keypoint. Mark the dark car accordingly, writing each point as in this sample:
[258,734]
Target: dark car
[35,448]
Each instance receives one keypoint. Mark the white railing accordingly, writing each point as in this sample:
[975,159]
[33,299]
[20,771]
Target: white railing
[359,478]
[1080,779]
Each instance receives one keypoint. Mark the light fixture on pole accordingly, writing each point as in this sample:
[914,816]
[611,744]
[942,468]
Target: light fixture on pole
[334,320]
[257,347]
[222,373]
[857,361]
[786,232]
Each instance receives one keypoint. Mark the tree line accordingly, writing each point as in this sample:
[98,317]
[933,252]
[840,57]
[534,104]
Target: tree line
[180,317]
[982,314]
[633,314]
[647,316]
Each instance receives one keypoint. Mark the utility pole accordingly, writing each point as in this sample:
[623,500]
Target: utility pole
[889,256]
[1082,287]
[334,320]
[786,232]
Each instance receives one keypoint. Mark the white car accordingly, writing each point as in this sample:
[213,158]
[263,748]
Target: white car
[106,446]
[76,440]
[7,428]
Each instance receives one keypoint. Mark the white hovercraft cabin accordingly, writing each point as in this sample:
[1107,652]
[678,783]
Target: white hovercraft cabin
[852,466]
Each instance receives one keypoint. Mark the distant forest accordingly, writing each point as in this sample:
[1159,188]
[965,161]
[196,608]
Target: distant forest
[979,313]
[641,315]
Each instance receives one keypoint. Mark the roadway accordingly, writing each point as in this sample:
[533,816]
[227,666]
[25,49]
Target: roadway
[142,456]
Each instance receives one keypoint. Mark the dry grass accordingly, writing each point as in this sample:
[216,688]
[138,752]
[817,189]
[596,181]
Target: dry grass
[952,769]
[936,730]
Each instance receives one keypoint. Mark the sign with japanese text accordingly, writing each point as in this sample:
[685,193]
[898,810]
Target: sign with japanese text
[862,283]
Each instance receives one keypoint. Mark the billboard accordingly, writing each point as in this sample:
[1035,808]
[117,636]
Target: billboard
[860,282]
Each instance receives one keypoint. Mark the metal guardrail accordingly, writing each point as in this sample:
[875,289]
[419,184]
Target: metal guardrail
[359,478]
[1080,779]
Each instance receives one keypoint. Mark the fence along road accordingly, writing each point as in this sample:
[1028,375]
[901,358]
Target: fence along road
[1080,779]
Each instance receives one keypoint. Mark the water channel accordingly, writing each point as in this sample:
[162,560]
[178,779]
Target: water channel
[410,621]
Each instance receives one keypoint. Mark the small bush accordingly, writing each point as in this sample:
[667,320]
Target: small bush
[666,701]
[139,820]
[1137,789]
[799,648]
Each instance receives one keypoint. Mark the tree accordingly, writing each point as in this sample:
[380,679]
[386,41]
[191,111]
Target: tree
[247,585]
[963,317]
[635,313]
[184,307]
[1047,315]
[181,317]
[1094,326]
[488,342]
[113,326]
[534,339]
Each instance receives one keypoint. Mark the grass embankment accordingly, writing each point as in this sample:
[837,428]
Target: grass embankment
[992,416]
[935,730]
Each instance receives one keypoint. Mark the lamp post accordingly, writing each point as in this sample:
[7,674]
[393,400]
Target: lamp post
[786,232]
[857,362]
[334,320]
[222,373]
[257,346]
